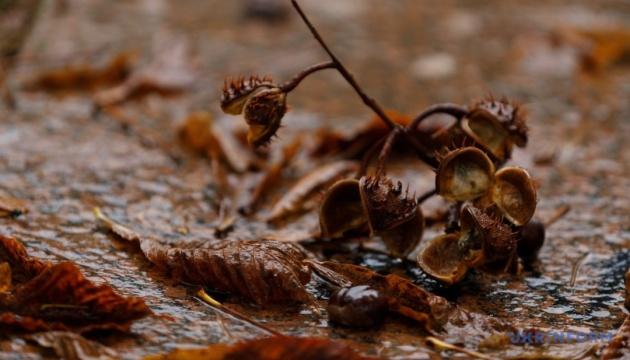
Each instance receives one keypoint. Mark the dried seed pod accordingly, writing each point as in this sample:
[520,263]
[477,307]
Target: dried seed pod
[263,113]
[496,240]
[514,194]
[443,259]
[237,92]
[464,174]
[357,306]
[510,115]
[262,103]
[341,209]
[531,239]
[486,130]
[392,214]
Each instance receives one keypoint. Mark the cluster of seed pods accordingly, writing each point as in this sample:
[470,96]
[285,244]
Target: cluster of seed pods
[489,226]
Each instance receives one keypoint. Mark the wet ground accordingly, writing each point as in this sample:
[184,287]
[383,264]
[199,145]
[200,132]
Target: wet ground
[64,159]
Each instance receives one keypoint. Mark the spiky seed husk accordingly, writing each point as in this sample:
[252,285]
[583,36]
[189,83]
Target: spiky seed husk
[263,113]
[236,92]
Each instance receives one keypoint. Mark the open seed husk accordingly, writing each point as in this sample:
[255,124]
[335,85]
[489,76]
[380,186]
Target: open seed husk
[237,92]
[488,133]
[341,209]
[392,214]
[510,115]
[464,174]
[443,259]
[403,239]
[514,194]
[496,240]
[263,113]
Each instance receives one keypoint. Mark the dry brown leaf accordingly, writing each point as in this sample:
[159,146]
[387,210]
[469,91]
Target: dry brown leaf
[5,277]
[168,75]
[265,272]
[359,139]
[82,77]
[404,297]
[71,346]
[274,348]
[199,132]
[47,296]
[619,346]
[309,185]
[12,207]
[272,175]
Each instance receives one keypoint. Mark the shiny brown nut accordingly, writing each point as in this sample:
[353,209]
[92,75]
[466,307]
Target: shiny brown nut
[357,306]
[531,239]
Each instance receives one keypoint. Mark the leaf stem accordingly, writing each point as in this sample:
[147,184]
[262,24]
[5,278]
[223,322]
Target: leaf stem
[368,101]
[293,83]
[204,297]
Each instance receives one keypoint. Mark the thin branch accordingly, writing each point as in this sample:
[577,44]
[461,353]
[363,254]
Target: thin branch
[443,345]
[370,102]
[422,198]
[386,150]
[291,84]
[558,214]
[367,158]
[456,111]
[207,299]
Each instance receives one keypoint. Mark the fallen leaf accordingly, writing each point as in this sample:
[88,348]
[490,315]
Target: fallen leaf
[272,175]
[12,207]
[47,296]
[5,277]
[359,139]
[265,272]
[308,185]
[71,346]
[168,75]
[274,348]
[404,297]
[619,345]
[82,77]
[199,132]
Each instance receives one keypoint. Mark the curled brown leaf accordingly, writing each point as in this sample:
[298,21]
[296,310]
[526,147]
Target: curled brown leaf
[309,185]
[264,272]
[47,296]
[71,346]
[82,77]
[274,348]
[404,297]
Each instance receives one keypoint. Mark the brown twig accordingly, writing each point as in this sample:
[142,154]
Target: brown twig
[558,214]
[368,101]
[456,111]
[422,198]
[207,299]
[293,83]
